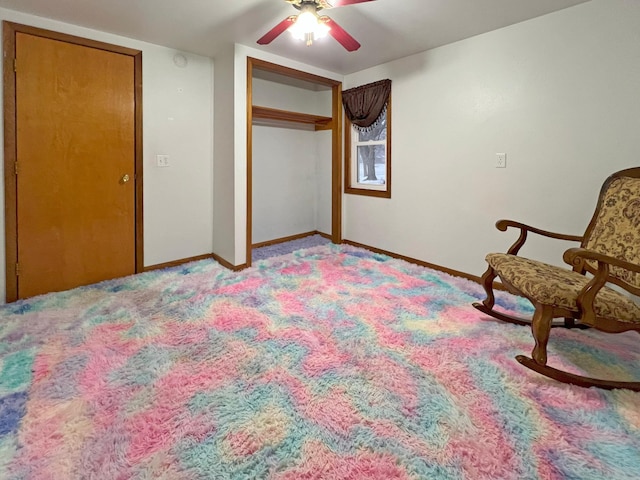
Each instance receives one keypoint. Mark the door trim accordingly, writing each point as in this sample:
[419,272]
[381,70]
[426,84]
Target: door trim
[10,141]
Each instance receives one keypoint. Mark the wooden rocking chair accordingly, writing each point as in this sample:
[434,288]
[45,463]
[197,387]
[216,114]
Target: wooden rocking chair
[609,250]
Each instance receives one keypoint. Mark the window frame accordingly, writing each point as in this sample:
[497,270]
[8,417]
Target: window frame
[351,162]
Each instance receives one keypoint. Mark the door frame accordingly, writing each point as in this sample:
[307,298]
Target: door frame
[10,142]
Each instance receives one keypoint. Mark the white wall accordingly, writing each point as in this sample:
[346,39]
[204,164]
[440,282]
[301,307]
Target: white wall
[178,200]
[223,158]
[559,94]
[178,121]
[284,182]
[324,177]
[267,93]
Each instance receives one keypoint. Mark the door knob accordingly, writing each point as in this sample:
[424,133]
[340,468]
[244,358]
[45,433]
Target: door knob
[125,178]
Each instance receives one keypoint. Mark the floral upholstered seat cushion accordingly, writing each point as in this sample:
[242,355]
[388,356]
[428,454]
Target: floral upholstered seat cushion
[551,285]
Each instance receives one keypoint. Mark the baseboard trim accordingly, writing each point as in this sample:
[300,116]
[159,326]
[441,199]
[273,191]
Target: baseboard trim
[422,263]
[237,268]
[298,236]
[182,261]
[228,265]
[176,263]
[433,266]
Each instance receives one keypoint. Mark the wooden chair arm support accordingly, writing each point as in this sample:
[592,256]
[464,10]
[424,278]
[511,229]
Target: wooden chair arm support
[502,225]
[577,258]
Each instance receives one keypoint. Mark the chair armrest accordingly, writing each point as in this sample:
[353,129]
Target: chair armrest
[577,257]
[502,225]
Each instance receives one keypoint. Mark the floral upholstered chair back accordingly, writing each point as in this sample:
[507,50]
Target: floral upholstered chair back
[616,231]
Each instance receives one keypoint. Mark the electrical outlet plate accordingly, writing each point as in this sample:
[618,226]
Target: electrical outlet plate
[501,160]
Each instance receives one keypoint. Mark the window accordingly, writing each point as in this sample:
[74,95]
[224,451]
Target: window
[368,159]
[368,143]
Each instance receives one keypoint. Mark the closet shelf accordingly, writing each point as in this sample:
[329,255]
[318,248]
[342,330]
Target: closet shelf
[266,113]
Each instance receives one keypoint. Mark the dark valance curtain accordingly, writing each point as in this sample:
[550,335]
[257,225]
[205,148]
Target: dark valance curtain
[363,105]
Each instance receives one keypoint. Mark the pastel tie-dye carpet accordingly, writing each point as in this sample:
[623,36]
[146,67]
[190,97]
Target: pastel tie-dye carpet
[327,363]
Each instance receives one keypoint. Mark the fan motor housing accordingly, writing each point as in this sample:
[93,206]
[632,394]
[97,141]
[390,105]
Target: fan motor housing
[309,6]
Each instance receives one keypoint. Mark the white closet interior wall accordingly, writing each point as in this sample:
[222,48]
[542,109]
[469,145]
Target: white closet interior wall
[291,165]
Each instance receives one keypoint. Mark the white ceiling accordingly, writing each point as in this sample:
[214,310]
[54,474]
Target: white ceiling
[387,29]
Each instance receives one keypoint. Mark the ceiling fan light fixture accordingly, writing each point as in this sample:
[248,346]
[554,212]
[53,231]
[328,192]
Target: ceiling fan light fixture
[305,23]
[309,27]
[322,29]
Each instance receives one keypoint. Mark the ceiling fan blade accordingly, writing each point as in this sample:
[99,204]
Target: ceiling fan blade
[342,3]
[271,35]
[341,35]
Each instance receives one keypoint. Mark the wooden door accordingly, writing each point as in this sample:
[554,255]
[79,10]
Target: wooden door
[75,153]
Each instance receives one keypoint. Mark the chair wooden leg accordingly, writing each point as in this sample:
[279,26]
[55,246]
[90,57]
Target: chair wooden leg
[486,306]
[487,282]
[541,327]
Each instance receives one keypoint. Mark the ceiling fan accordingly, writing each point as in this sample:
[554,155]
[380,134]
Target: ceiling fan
[309,25]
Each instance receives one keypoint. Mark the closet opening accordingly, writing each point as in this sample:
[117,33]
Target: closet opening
[294,155]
